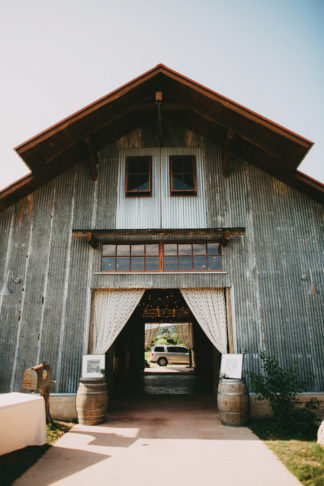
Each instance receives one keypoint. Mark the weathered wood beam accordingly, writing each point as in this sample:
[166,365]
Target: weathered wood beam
[93,242]
[217,232]
[92,159]
[238,131]
[158,101]
[230,135]
[226,237]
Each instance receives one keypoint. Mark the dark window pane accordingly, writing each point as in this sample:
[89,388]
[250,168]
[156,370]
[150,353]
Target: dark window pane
[177,183]
[152,250]
[137,249]
[214,262]
[170,263]
[108,264]
[108,250]
[188,182]
[159,349]
[200,263]
[171,350]
[132,182]
[123,250]
[170,249]
[122,264]
[212,248]
[199,248]
[185,263]
[184,249]
[137,263]
[177,164]
[152,263]
[138,183]
[138,165]
[142,182]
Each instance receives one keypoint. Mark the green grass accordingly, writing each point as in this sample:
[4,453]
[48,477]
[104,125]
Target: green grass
[14,464]
[303,458]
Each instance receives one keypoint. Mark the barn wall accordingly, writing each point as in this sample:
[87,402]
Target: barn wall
[47,317]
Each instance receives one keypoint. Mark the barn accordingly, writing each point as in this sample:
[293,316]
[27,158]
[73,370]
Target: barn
[161,202]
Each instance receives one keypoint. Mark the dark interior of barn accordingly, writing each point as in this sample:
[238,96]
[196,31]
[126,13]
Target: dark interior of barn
[126,371]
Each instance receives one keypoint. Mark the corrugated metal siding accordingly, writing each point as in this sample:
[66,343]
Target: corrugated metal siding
[139,212]
[160,281]
[33,284]
[289,242]
[8,304]
[229,204]
[186,211]
[47,317]
[106,195]
[161,210]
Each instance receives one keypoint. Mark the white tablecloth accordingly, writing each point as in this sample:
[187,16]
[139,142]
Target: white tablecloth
[22,421]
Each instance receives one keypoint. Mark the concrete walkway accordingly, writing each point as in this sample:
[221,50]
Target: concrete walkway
[159,441]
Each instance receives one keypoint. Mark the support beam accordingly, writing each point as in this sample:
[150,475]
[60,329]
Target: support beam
[158,101]
[93,242]
[230,135]
[226,237]
[92,158]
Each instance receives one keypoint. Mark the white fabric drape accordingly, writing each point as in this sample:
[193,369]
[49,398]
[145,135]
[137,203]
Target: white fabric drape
[111,310]
[208,307]
[150,333]
[185,333]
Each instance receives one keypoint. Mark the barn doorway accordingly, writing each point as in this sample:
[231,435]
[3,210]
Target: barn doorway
[125,359]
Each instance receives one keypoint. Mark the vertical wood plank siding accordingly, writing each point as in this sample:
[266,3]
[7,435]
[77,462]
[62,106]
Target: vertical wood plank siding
[47,316]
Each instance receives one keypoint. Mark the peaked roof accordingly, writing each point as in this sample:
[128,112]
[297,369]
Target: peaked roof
[245,133]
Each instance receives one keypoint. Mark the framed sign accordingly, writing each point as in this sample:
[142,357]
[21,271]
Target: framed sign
[92,364]
[231,366]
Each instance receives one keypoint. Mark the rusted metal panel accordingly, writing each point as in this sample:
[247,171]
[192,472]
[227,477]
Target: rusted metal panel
[11,309]
[72,341]
[33,284]
[58,271]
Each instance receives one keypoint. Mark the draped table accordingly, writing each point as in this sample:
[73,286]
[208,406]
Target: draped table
[22,421]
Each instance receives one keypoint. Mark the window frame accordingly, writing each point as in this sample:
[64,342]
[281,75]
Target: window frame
[183,192]
[143,193]
[161,257]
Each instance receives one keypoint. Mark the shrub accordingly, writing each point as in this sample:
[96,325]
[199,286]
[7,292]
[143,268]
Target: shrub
[280,386]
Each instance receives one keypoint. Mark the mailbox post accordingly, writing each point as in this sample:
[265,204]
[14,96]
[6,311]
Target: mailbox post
[39,378]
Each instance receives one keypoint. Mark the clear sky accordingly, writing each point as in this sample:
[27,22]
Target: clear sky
[58,56]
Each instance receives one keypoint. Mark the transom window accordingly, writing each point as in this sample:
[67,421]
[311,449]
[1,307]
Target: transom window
[138,176]
[162,257]
[183,175]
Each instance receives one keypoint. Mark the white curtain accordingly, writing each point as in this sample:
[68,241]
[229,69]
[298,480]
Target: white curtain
[111,310]
[208,307]
[150,333]
[185,333]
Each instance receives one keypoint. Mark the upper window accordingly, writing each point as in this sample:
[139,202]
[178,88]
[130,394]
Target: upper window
[183,175]
[162,257]
[138,176]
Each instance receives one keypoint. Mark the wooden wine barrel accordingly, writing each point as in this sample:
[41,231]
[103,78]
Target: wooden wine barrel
[233,401]
[92,401]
